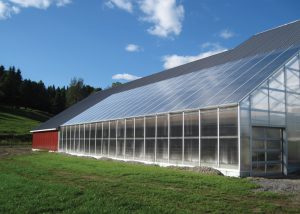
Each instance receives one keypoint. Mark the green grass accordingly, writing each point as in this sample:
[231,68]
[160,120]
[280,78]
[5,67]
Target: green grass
[50,183]
[19,121]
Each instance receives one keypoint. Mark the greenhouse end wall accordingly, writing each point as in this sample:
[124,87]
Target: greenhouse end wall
[194,138]
[269,114]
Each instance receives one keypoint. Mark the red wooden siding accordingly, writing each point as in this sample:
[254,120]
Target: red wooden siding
[45,140]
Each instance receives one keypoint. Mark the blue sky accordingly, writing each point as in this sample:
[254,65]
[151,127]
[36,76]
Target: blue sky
[55,40]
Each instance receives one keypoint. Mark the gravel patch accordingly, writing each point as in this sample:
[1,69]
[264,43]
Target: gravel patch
[198,169]
[288,185]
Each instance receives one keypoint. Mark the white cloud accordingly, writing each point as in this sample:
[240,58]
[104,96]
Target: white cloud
[166,16]
[40,4]
[11,7]
[226,34]
[124,76]
[61,3]
[7,10]
[133,48]
[174,60]
[121,4]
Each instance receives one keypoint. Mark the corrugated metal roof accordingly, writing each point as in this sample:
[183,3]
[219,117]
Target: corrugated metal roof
[260,44]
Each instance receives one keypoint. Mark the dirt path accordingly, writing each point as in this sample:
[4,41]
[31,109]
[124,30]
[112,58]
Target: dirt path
[6,151]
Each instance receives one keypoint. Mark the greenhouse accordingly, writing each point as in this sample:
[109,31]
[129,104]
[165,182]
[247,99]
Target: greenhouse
[237,111]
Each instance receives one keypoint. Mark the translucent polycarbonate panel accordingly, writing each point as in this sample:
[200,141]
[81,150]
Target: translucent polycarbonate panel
[121,129]
[82,143]
[277,101]
[112,147]
[105,129]
[112,129]
[129,149]
[93,139]
[66,138]
[82,146]
[229,153]
[218,85]
[150,127]
[92,146]
[176,125]
[260,75]
[77,145]
[293,112]
[98,146]
[81,133]
[293,84]
[293,63]
[162,126]
[191,124]
[105,147]
[149,150]
[77,131]
[209,123]
[87,139]
[209,152]
[162,150]
[176,151]
[62,139]
[228,121]
[260,106]
[129,128]
[139,127]
[139,149]
[277,81]
[99,130]
[191,151]
[120,148]
[293,130]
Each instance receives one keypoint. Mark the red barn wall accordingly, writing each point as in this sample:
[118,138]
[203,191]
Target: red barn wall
[47,140]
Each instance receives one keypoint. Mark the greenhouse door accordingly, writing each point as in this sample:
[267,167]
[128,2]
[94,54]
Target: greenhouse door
[267,155]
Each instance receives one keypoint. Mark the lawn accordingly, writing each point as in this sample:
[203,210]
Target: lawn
[48,182]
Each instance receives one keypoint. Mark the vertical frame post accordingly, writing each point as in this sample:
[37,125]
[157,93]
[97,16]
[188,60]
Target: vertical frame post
[125,137]
[144,138]
[182,156]
[90,130]
[102,140]
[117,127]
[84,138]
[218,131]
[79,141]
[199,123]
[239,137]
[96,130]
[133,138]
[168,137]
[74,149]
[108,141]
[155,139]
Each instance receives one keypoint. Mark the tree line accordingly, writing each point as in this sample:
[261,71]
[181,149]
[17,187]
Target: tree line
[18,92]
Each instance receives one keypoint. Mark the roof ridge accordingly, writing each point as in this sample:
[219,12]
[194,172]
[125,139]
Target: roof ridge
[274,28]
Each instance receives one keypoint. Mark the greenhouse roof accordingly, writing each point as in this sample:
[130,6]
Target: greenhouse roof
[217,80]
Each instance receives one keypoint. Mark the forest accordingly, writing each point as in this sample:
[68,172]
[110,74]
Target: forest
[15,91]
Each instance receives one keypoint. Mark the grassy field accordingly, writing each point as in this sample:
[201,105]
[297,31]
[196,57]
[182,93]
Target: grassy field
[49,182]
[15,124]
[20,121]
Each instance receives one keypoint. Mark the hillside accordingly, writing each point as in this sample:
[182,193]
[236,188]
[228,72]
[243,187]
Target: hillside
[18,122]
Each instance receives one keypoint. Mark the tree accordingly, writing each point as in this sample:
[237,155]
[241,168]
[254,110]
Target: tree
[115,84]
[11,82]
[2,73]
[77,91]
